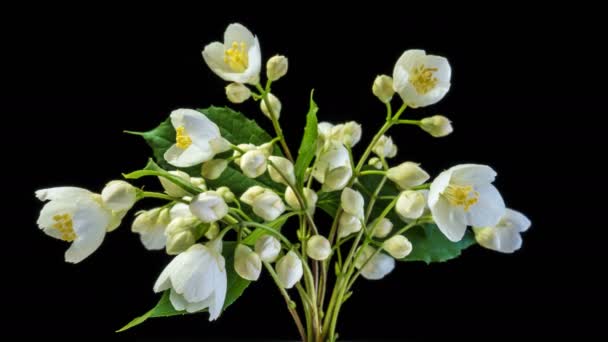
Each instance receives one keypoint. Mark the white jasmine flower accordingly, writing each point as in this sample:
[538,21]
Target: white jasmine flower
[383,88]
[348,224]
[410,204]
[333,168]
[268,248]
[237,93]
[247,263]
[398,246]
[209,206]
[276,67]
[407,175]
[318,247]
[505,235]
[151,225]
[385,148]
[289,269]
[437,126]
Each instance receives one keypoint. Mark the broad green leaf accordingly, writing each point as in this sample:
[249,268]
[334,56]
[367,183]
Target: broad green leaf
[309,142]
[236,287]
[329,202]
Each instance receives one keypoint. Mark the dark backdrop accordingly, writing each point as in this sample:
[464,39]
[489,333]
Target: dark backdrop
[77,77]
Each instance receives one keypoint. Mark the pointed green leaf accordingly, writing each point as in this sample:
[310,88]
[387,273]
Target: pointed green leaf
[309,142]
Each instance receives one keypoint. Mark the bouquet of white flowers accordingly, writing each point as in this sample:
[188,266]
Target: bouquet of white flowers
[238,202]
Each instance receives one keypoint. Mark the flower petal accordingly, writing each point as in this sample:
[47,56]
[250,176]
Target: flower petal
[191,156]
[89,221]
[517,220]
[213,54]
[62,192]
[444,70]
[238,33]
[449,219]
[178,301]
[472,174]
[489,208]
[154,238]
[438,186]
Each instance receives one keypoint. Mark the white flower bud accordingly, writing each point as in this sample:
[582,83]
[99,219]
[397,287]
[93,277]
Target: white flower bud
[289,269]
[247,263]
[151,225]
[268,205]
[374,268]
[209,207]
[352,202]
[213,168]
[318,247]
[333,168]
[237,92]
[382,228]
[384,147]
[407,175]
[253,163]
[213,231]
[398,246]
[375,162]
[180,210]
[276,67]
[309,196]
[173,189]
[250,194]
[268,248]
[199,183]
[275,106]
[226,194]
[337,178]
[180,234]
[119,195]
[280,167]
[437,126]
[383,88]
[410,204]
[348,224]
[244,148]
[348,133]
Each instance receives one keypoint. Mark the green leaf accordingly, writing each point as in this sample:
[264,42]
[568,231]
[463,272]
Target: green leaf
[309,142]
[329,202]
[236,287]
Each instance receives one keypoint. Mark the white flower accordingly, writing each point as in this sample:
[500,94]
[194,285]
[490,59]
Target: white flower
[376,267]
[385,148]
[437,126]
[318,247]
[197,139]
[348,224]
[383,88]
[197,279]
[268,248]
[209,206]
[250,194]
[247,263]
[268,205]
[407,175]
[151,225]
[173,189]
[75,215]
[398,246]
[280,167]
[421,79]
[381,228]
[213,168]
[238,59]
[119,195]
[180,234]
[309,196]
[464,196]
[289,269]
[244,148]
[253,163]
[333,168]
[505,235]
[276,67]
[237,92]
[348,133]
[275,107]
[410,204]
[352,202]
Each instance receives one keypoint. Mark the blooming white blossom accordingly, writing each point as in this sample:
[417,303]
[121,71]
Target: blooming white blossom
[197,139]
[310,196]
[237,93]
[275,107]
[247,263]
[437,126]
[333,168]
[407,175]
[352,202]
[464,196]
[197,279]
[420,79]
[119,195]
[209,206]
[505,235]
[374,267]
[268,248]
[348,224]
[410,204]
[381,228]
[74,215]
[279,167]
[384,147]
[238,58]
[318,247]
[276,67]
[151,225]
[212,169]
[383,88]
[289,269]
[398,246]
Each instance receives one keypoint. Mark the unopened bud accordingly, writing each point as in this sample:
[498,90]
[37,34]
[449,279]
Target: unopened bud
[253,163]
[410,204]
[268,248]
[173,189]
[209,207]
[289,269]
[398,246]
[275,107]
[213,168]
[247,263]
[437,126]
[226,194]
[276,67]
[119,195]
[383,88]
[407,175]
[281,170]
[318,247]
[381,228]
[237,93]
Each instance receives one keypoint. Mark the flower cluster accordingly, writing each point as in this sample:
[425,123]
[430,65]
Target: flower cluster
[228,195]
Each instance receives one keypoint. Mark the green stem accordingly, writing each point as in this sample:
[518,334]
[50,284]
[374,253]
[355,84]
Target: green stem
[150,194]
[408,122]
[273,118]
[372,172]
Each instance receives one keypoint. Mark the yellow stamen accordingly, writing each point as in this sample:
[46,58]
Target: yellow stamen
[461,196]
[236,57]
[63,223]
[182,139]
[422,79]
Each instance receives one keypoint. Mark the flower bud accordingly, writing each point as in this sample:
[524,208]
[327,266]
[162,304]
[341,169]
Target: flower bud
[242,148]
[348,133]
[226,194]
[268,205]
[237,93]
[352,202]
[209,207]
[348,224]
[333,168]
[382,228]
[384,147]
[250,194]
[374,267]
[289,269]
[212,231]
[337,178]
[276,67]
[199,183]
[280,167]
[253,163]
[407,175]
[309,196]
[180,210]
[173,189]
[213,168]
[410,204]
[275,106]
[180,234]
[398,246]
[437,126]
[383,88]
[119,195]
[247,263]
[318,247]
[375,162]
[268,248]
[151,225]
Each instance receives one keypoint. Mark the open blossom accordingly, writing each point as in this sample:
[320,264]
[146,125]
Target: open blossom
[333,168]
[197,279]
[75,215]
[420,79]
[197,139]
[464,196]
[505,236]
[238,58]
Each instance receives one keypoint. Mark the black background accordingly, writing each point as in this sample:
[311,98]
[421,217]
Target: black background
[76,77]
